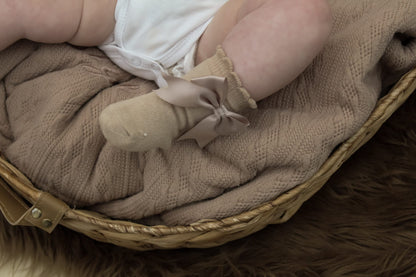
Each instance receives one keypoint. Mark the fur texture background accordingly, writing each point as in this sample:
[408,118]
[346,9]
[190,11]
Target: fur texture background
[362,223]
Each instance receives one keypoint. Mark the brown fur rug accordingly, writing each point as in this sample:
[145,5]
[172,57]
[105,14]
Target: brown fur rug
[362,223]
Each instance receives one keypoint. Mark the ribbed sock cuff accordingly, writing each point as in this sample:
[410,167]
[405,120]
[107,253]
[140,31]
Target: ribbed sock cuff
[238,98]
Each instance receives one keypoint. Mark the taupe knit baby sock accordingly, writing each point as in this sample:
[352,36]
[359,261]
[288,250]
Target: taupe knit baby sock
[205,103]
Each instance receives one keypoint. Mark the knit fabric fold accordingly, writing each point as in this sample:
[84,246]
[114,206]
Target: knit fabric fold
[51,97]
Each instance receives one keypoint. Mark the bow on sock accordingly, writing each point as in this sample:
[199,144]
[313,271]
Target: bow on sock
[206,92]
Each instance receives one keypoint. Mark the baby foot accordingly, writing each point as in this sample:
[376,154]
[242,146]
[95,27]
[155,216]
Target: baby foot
[156,119]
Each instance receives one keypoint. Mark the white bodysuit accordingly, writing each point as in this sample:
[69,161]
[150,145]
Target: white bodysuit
[152,36]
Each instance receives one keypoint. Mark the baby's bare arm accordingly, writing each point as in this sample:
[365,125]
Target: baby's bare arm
[80,22]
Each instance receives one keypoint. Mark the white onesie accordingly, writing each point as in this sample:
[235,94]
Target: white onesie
[151,36]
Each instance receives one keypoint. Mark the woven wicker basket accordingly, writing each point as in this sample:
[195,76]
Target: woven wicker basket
[23,204]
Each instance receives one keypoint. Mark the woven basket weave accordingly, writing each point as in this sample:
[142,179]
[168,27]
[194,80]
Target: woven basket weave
[16,188]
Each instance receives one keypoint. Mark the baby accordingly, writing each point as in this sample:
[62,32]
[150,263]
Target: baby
[212,59]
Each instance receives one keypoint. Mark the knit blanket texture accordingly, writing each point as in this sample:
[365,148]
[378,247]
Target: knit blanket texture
[51,97]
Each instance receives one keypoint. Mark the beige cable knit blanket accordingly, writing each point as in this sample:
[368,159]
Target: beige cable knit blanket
[51,96]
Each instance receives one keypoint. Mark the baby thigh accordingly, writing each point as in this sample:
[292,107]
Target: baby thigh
[81,22]
[96,24]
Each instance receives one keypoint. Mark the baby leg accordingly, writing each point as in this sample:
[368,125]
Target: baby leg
[81,22]
[267,43]
[270,42]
